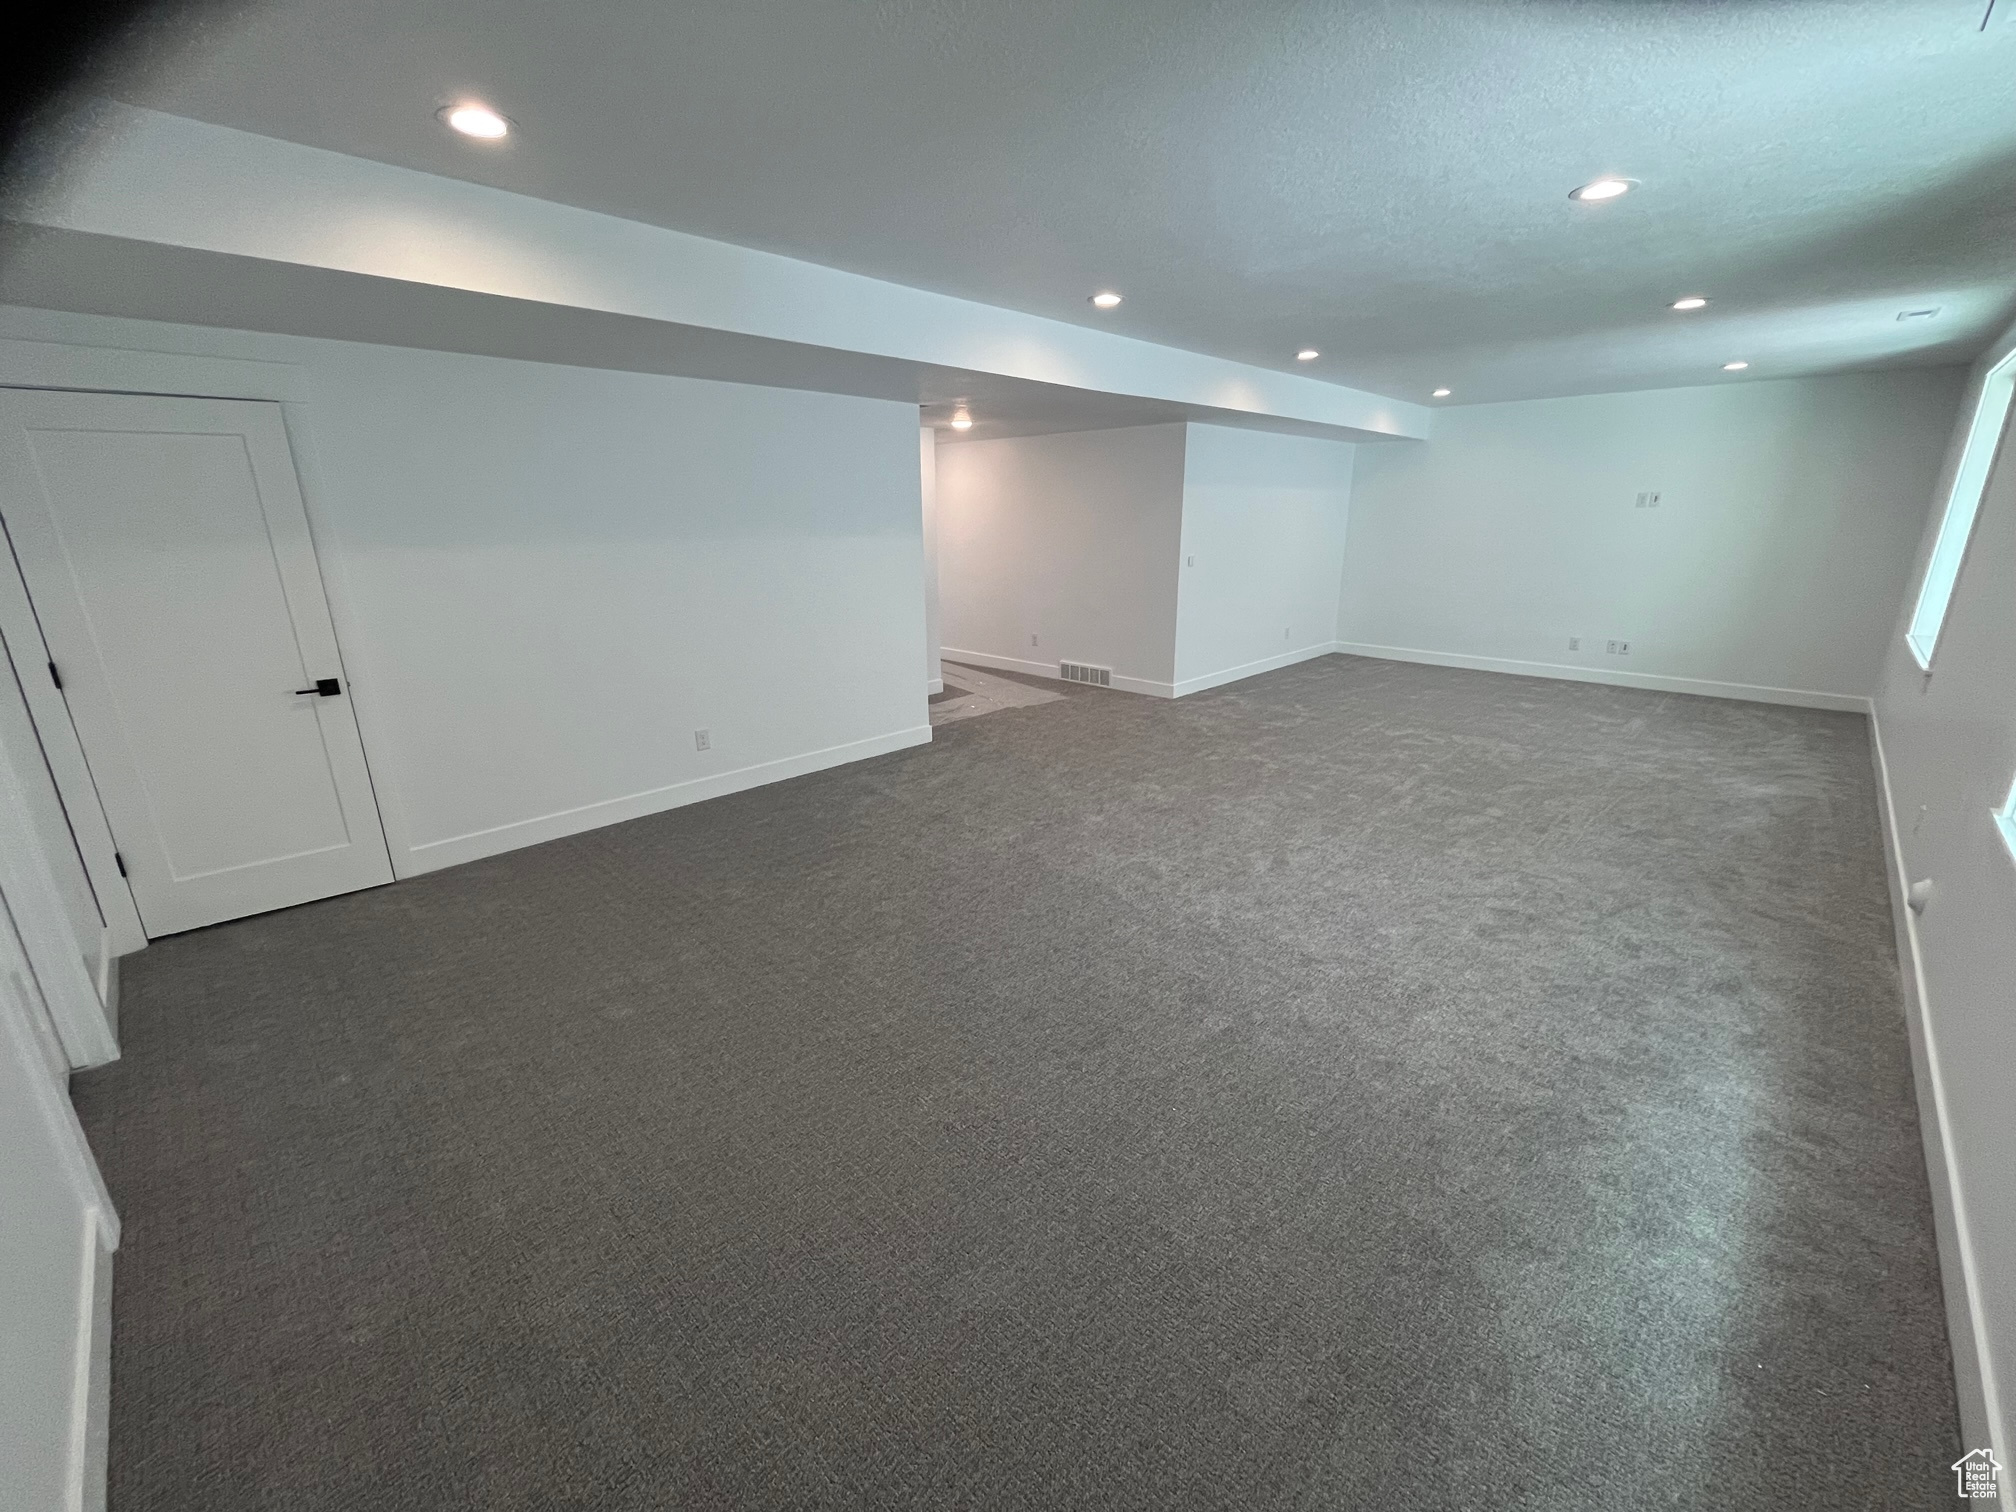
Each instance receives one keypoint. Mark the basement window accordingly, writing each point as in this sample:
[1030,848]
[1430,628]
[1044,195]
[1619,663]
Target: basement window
[1970,481]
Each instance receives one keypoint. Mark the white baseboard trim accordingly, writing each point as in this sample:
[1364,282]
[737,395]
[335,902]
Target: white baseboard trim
[1188,685]
[456,849]
[1049,670]
[934,685]
[108,983]
[1801,698]
[1959,1274]
[91,1412]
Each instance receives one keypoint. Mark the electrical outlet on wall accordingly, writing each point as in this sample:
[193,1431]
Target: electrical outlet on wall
[1286,632]
[1618,647]
[703,740]
[1190,561]
[1649,499]
[1574,643]
[1032,640]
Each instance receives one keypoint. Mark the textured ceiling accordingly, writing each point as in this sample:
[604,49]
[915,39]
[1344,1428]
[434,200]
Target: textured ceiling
[1385,181]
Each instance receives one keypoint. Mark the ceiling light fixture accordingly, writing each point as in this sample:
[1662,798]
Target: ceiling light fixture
[1927,314]
[1689,302]
[1440,394]
[1606,188]
[476,121]
[1105,299]
[962,421]
[1307,354]
[1734,367]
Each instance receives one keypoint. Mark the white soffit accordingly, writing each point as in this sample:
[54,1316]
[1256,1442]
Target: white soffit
[155,215]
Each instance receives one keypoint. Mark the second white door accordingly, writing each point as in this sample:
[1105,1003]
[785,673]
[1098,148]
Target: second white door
[166,549]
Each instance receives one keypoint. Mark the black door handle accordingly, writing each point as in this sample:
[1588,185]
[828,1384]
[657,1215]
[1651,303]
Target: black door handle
[325,687]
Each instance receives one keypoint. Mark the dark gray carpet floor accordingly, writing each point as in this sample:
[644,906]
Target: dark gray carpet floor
[1367,1086]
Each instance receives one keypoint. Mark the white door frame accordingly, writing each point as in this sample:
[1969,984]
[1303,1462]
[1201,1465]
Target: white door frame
[77,1012]
[184,375]
[58,1148]
[22,633]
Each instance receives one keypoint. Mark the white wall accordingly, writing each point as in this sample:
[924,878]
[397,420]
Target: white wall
[1948,750]
[1771,568]
[1262,552]
[1070,539]
[545,579]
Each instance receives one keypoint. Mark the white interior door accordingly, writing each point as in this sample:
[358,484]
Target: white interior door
[166,550]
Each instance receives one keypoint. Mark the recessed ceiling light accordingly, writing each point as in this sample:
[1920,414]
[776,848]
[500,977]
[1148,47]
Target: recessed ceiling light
[477,121]
[1909,315]
[962,421]
[1105,299]
[1307,354]
[1607,188]
[1440,394]
[1734,367]
[1689,302]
